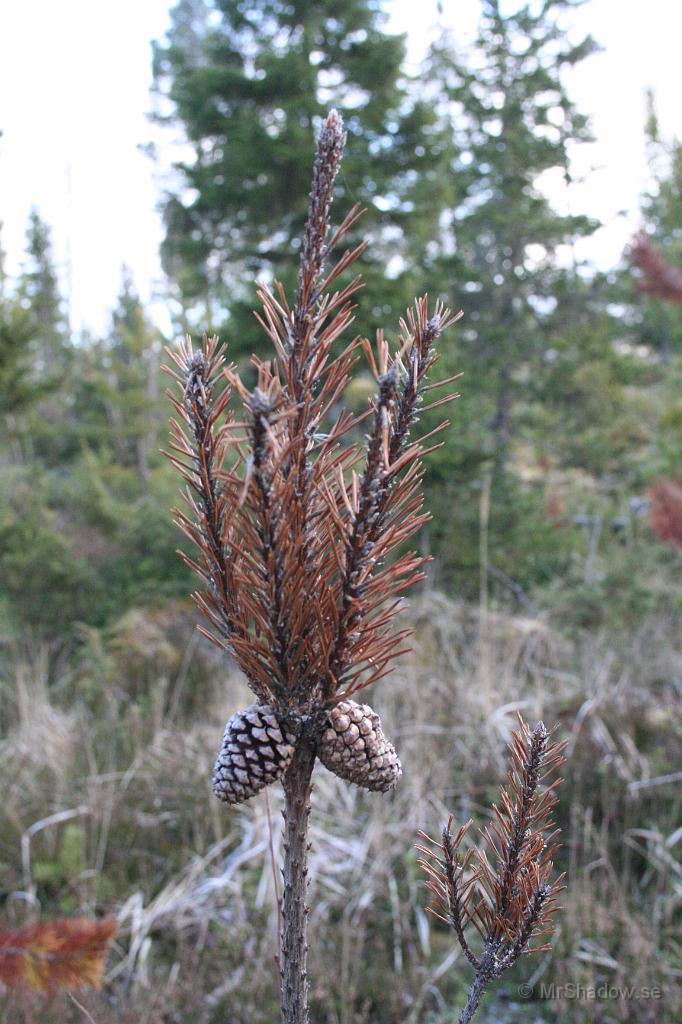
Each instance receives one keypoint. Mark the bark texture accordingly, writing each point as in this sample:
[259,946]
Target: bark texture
[294,959]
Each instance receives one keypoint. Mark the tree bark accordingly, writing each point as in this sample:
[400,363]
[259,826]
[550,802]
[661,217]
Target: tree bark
[294,959]
[485,973]
[475,995]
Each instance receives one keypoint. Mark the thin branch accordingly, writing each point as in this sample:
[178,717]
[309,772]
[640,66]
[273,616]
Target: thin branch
[503,886]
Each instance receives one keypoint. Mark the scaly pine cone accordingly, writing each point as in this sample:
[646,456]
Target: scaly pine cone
[256,750]
[354,747]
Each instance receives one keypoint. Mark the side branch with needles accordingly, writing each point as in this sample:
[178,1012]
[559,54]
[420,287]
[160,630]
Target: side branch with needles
[503,887]
[297,528]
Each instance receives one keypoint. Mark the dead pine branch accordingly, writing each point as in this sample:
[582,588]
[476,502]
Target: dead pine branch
[296,531]
[502,890]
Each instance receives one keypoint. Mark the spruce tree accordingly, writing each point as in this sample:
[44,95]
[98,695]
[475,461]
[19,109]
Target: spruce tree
[661,321]
[504,106]
[123,386]
[17,391]
[35,350]
[247,85]
[40,295]
[511,122]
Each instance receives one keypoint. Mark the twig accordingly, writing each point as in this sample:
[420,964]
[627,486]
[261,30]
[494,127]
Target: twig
[503,887]
[275,878]
[86,1013]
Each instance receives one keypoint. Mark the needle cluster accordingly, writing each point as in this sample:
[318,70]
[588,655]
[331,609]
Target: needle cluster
[503,887]
[294,526]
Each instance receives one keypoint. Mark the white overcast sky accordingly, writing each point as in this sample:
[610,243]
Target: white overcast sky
[74,94]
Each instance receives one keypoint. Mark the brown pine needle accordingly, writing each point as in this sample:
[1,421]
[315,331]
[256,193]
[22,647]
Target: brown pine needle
[503,886]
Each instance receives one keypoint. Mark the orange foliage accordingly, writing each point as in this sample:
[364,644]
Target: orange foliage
[659,278]
[61,954]
[556,511]
[666,510]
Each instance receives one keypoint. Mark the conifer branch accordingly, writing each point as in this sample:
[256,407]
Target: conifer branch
[201,447]
[294,537]
[504,886]
[385,500]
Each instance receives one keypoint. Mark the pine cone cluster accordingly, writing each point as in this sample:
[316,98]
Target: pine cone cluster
[256,750]
[354,747]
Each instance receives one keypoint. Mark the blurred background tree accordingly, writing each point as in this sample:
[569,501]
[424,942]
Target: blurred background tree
[505,255]
[510,121]
[245,86]
[85,527]
[661,321]
[39,295]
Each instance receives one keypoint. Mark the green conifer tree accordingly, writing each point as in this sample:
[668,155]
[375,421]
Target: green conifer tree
[17,391]
[122,486]
[246,84]
[511,122]
[661,321]
[127,366]
[35,351]
[40,295]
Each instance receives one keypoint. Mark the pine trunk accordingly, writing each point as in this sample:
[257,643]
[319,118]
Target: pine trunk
[294,970]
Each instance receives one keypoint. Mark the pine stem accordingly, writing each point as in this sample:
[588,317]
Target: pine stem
[297,789]
[485,973]
[475,995]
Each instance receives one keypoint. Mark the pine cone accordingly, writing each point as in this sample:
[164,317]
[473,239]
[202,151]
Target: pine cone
[354,747]
[256,750]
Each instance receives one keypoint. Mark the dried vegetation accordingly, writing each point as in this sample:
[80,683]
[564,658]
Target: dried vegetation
[106,807]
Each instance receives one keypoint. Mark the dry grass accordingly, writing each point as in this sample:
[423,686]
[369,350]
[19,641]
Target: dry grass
[105,806]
